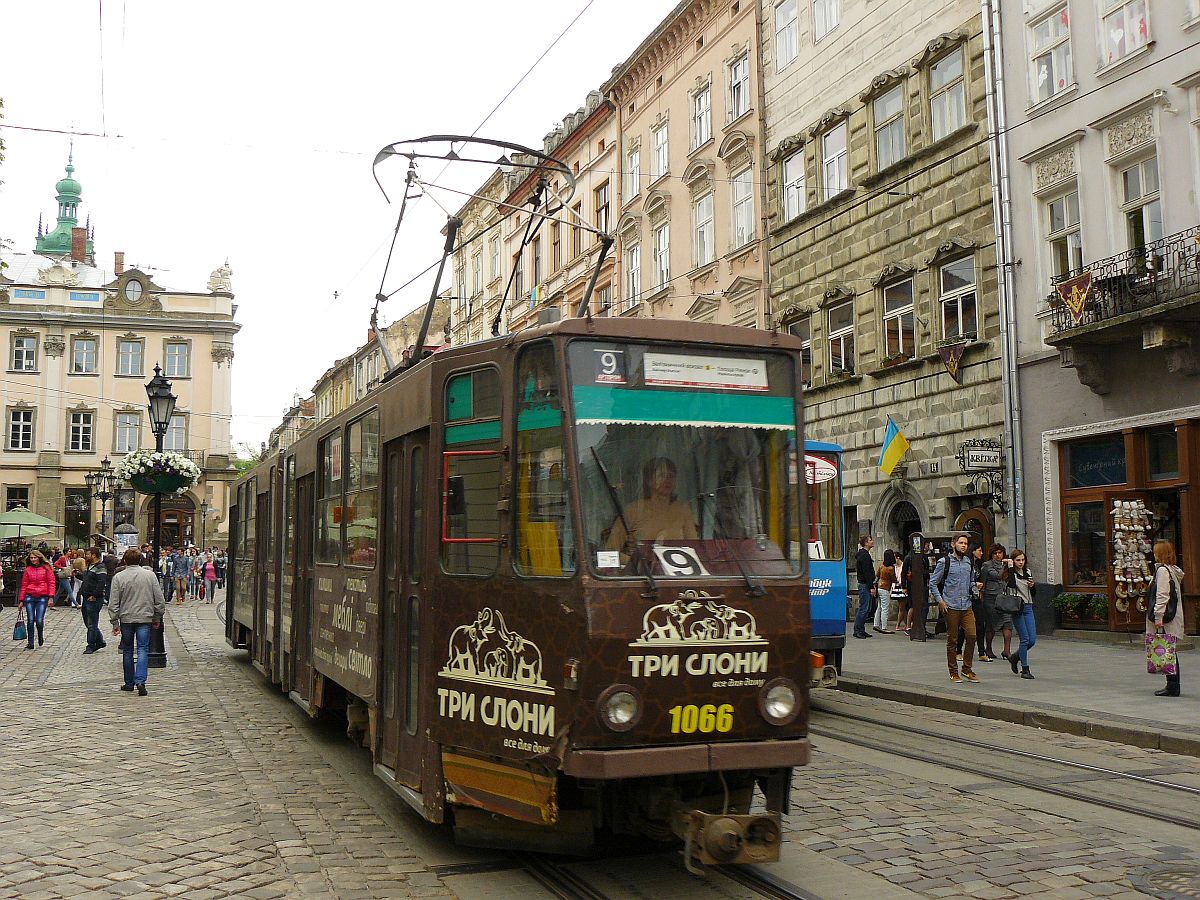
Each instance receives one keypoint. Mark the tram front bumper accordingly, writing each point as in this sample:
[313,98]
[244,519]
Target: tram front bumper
[642,762]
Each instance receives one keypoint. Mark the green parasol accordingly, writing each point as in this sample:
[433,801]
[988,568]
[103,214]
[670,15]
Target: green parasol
[23,517]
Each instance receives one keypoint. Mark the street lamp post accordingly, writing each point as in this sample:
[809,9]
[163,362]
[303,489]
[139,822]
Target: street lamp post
[203,524]
[162,407]
[102,483]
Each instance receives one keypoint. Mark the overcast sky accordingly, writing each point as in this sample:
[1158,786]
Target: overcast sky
[247,129]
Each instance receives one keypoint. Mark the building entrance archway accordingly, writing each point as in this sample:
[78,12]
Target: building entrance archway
[904,522]
[178,520]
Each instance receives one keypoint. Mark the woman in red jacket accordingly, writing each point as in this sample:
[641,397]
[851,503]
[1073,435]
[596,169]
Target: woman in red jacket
[38,585]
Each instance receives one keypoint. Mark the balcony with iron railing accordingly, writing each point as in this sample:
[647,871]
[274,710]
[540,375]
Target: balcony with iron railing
[1118,297]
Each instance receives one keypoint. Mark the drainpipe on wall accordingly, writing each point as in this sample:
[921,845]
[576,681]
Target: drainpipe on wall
[763,161]
[1002,222]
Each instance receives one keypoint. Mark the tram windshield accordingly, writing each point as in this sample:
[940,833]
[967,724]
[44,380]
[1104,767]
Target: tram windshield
[685,466]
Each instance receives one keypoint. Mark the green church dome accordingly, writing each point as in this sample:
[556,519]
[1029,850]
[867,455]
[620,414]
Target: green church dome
[69,186]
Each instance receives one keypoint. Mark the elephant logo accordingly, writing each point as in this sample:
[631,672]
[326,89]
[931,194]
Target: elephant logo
[697,618]
[486,651]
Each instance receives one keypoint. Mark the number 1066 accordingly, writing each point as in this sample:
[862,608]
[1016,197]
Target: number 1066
[705,719]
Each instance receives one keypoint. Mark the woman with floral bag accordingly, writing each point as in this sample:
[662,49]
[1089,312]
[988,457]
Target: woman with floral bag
[1164,618]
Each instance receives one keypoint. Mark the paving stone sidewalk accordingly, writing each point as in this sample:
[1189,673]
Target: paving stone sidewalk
[1076,677]
[201,790]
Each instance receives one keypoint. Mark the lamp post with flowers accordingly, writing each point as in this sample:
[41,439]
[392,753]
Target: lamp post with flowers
[159,473]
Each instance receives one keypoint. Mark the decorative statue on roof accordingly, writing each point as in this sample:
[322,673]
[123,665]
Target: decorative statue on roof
[220,281]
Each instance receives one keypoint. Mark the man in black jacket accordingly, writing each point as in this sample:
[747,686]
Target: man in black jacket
[93,589]
[865,567]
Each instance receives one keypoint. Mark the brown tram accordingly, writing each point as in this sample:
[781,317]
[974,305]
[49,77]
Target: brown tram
[556,580]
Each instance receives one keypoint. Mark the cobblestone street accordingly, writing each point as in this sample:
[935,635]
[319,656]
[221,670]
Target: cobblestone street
[216,786]
[171,794]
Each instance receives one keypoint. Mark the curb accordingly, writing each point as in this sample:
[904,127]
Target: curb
[1116,729]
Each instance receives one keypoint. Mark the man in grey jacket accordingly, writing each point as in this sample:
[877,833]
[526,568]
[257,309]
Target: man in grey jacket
[135,605]
[950,585]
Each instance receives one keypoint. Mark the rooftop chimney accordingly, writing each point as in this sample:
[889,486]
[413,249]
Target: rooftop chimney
[79,244]
[370,335]
[118,262]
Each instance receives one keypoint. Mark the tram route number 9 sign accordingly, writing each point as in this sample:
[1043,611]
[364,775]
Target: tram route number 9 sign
[679,562]
[610,366]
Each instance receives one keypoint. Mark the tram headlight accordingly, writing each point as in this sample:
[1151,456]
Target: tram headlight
[619,707]
[779,701]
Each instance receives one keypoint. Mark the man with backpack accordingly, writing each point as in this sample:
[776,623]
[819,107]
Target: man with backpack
[950,586]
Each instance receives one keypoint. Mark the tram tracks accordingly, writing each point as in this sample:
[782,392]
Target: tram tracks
[560,879]
[1099,775]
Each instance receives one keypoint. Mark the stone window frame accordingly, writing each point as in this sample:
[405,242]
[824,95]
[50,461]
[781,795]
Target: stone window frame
[752,231]
[632,175]
[660,126]
[935,51]
[81,410]
[76,338]
[794,24]
[885,317]
[947,253]
[20,406]
[187,430]
[130,338]
[8,500]
[837,10]
[1106,9]
[662,276]
[177,339]
[697,262]
[703,85]
[1060,191]
[806,354]
[827,309]
[741,54]
[789,148]
[116,444]
[882,84]
[12,351]
[632,297]
[598,208]
[1145,199]
[828,192]
[1034,53]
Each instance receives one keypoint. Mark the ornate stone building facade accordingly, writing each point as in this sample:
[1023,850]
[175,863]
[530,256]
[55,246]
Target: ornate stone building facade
[1103,133]
[687,207]
[479,263]
[81,343]
[882,249]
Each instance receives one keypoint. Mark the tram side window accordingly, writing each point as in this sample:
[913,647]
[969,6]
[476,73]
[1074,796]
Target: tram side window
[471,526]
[289,510]
[327,534]
[248,547]
[362,492]
[545,543]
[416,515]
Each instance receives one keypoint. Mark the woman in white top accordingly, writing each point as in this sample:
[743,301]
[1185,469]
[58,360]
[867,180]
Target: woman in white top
[1167,585]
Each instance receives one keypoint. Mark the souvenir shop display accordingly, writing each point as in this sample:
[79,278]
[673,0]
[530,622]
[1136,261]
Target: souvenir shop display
[1131,553]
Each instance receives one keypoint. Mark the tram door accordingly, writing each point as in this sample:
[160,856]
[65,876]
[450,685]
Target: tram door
[302,592]
[262,597]
[404,462]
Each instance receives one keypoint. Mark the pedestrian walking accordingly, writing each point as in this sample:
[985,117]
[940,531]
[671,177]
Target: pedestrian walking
[865,567]
[950,586]
[885,581]
[136,605]
[1020,579]
[197,573]
[92,590]
[900,588]
[219,561]
[178,571]
[210,578]
[993,575]
[63,574]
[1164,612]
[38,584]
[976,606]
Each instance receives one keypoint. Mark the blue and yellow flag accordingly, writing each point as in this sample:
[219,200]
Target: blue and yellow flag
[895,445]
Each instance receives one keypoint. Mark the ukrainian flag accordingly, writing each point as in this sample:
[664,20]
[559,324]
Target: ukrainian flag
[895,445]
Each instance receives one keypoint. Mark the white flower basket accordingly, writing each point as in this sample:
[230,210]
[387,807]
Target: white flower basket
[154,472]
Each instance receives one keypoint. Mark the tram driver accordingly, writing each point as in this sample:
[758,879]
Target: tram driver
[658,515]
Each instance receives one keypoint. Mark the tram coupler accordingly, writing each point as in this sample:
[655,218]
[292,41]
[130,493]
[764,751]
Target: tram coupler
[713,839]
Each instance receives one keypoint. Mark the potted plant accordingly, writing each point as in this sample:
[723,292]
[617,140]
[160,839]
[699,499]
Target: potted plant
[1082,610]
[159,472]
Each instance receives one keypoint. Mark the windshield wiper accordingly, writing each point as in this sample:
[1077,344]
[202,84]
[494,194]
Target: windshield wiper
[616,502]
[753,586]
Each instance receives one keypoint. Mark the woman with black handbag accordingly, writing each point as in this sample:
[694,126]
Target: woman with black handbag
[1164,611]
[1021,587]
